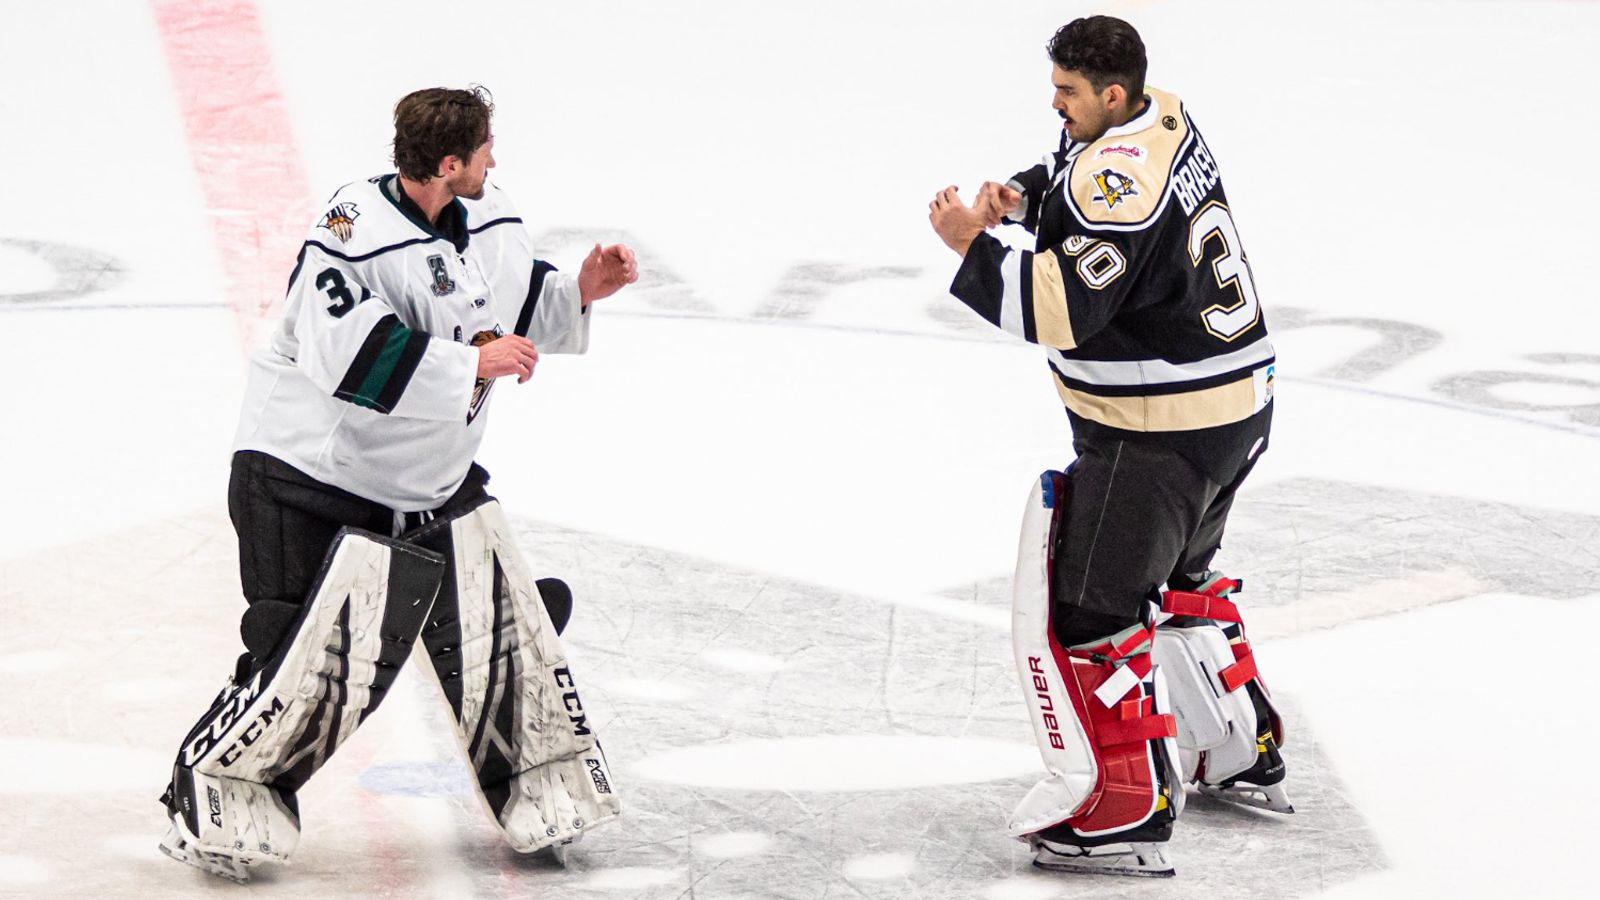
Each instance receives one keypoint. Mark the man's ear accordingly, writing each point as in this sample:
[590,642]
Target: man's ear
[1116,95]
[448,166]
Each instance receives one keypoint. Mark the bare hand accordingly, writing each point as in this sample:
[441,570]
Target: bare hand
[956,222]
[994,201]
[606,271]
[509,355]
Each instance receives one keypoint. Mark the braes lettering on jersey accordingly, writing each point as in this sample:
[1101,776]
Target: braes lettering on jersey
[1196,177]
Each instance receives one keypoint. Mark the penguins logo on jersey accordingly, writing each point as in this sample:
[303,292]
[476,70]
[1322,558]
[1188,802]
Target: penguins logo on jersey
[442,283]
[341,220]
[1114,187]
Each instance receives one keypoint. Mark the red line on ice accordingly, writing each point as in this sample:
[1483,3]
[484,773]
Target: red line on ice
[242,143]
[248,165]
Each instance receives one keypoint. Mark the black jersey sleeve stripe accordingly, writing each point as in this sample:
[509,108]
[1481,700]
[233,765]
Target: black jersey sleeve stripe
[1030,326]
[384,365]
[354,377]
[405,366]
[535,288]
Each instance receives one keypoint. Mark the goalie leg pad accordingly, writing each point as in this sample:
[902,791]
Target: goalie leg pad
[1099,711]
[494,649]
[235,777]
[1228,727]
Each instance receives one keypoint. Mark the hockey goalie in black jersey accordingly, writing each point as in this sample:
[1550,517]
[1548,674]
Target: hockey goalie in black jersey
[365,528]
[1131,649]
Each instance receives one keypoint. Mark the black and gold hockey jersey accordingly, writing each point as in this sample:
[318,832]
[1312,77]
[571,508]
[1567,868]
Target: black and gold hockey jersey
[1139,289]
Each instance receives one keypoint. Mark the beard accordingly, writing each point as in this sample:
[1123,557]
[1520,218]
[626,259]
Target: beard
[468,188]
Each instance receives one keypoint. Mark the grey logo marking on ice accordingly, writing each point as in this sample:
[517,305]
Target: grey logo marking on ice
[78,271]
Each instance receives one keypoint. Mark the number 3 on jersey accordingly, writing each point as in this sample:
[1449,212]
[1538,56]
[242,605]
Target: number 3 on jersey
[332,281]
[1225,320]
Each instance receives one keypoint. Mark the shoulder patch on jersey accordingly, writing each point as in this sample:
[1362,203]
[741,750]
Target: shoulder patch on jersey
[1107,192]
[1114,187]
[1123,151]
[341,220]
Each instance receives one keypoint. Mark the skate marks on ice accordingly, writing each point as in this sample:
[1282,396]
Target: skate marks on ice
[771,739]
[1318,553]
[43,272]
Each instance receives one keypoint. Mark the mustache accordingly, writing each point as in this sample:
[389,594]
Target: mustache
[1062,114]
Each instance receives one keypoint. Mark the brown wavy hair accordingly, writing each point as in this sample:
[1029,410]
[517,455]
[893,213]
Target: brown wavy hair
[434,123]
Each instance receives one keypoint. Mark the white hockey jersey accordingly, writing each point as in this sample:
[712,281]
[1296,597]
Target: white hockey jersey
[369,383]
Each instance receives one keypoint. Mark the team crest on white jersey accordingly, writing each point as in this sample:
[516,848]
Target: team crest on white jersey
[1114,187]
[341,220]
[443,284]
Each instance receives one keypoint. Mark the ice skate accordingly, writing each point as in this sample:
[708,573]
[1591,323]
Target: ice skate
[1140,859]
[222,865]
[1269,797]
[1261,785]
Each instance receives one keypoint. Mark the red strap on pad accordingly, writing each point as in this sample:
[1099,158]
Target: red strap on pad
[1236,675]
[1133,731]
[1203,606]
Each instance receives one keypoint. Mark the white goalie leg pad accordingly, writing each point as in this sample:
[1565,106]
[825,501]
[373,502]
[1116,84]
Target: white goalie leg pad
[1064,746]
[233,784]
[1211,718]
[536,760]
[241,822]
[1216,688]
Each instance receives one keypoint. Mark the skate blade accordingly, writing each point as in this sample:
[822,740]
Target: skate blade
[554,853]
[1140,860]
[1271,797]
[218,864]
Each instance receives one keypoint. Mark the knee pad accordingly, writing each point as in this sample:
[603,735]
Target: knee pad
[1099,710]
[491,643]
[233,784]
[1222,706]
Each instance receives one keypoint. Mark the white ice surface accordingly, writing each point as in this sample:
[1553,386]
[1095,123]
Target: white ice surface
[1421,162]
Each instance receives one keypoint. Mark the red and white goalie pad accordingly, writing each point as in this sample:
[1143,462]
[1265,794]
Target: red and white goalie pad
[1209,666]
[1099,713]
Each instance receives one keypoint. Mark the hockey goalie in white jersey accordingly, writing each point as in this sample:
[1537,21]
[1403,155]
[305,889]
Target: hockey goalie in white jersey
[364,523]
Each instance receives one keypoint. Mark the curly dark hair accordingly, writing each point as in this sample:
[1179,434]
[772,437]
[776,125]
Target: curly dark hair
[1105,49]
[434,123]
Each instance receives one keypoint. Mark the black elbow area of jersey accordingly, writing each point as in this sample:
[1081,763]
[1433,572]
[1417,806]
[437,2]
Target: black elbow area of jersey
[978,283]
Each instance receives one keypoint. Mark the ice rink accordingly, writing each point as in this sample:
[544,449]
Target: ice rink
[786,480]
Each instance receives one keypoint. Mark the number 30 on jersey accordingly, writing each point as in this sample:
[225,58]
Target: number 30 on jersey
[1235,315]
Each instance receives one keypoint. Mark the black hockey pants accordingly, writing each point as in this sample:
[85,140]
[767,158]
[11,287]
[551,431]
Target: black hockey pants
[286,521]
[1138,515]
